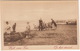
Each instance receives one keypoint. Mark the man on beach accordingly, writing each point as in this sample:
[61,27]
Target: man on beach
[40,25]
[14,27]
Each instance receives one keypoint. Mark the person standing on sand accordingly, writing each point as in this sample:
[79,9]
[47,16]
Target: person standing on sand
[53,23]
[8,28]
[14,27]
[28,30]
[40,25]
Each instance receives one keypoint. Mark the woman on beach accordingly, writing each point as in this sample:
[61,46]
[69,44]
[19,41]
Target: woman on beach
[54,25]
[8,28]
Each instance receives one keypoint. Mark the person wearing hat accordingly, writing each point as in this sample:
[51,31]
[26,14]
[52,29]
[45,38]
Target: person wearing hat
[40,25]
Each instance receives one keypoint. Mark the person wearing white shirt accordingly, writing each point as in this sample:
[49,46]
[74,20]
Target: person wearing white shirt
[8,28]
[27,29]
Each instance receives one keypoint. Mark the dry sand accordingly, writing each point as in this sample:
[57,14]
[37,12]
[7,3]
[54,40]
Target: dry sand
[63,35]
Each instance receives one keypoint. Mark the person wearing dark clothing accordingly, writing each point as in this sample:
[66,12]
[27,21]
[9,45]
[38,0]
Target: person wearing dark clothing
[14,27]
[53,22]
[40,25]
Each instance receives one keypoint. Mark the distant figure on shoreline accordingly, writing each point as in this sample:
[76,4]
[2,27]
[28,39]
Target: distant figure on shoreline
[53,23]
[40,25]
[28,27]
[35,27]
[14,27]
[8,28]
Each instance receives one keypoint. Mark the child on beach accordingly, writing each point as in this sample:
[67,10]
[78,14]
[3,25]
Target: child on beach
[27,29]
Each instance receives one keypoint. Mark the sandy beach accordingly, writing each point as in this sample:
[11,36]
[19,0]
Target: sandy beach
[63,35]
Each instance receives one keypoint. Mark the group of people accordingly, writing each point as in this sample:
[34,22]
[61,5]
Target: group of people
[41,26]
[9,29]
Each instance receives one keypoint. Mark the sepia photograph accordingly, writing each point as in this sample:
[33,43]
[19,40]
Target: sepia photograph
[26,23]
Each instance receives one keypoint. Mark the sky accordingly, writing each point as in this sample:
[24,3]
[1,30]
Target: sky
[34,10]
